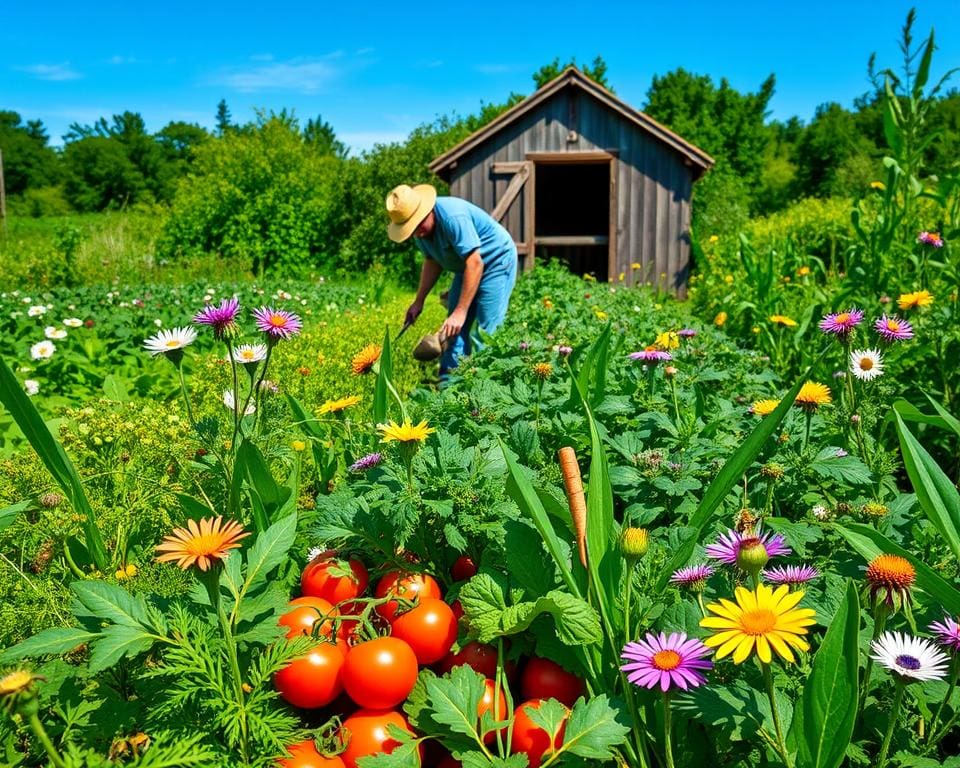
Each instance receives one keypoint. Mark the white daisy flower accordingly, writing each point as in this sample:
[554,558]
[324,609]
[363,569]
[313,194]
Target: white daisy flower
[37,310]
[866,364]
[158,322]
[31,386]
[170,341]
[73,322]
[42,350]
[250,353]
[52,332]
[231,404]
[909,658]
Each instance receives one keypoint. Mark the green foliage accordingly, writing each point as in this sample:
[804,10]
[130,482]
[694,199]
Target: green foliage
[597,71]
[28,162]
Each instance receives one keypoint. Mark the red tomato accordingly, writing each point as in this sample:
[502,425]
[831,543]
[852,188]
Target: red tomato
[408,586]
[464,568]
[380,673]
[430,629]
[530,738]
[486,705]
[450,762]
[478,656]
[366,733]
[317,581]
[542,679]
[306,611]
[457,607]
[305,755]
[313,680]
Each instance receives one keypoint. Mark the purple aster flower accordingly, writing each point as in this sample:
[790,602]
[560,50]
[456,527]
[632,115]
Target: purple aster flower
[841,323]
[930,238]
[792,575]
[693,577]
[369,461]
[686,333]
[666,662]
[223,319]
[948,633]
[277,323]
[651,356]
[731,542]
[893,328]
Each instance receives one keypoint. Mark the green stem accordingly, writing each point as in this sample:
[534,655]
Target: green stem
[879,622]
[894,716]
[40,732]
[626,603]
[536,411]
[806,431]
[676,405]
[954,671]
[703,609]
[781,744]
[236,398]
[667,727]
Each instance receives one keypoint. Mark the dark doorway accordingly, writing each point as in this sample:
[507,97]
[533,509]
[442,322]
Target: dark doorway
[572,215]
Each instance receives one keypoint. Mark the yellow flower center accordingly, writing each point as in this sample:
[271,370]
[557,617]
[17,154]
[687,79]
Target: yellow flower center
[666,660]
[247,354]
[15,681]
[866,364]
[278,321]
[204,544]
[172,343]
[758,622]
[893,325]
[843,317]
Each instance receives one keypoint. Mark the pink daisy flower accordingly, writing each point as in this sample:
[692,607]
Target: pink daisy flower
[841,323]
[893,328]
[930,238]
[692,577]
[731,542]
[651,356]
[222,318]
[948,633]
[792,575]
[277,323]
[667,662]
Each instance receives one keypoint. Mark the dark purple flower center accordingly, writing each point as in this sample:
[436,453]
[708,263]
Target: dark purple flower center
[905,661]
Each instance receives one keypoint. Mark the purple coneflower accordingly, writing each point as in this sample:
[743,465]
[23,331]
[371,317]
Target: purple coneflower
[792,575]
[666,662]
[930,238]
[686,333]
[277,323]
[693,577]
[948,633]
[893,328]
[369,461]
[841,323]
[223,319]
[728,547]
[651,356]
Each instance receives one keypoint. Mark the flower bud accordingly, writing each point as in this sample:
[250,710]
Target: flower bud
[634,543]
[752,555]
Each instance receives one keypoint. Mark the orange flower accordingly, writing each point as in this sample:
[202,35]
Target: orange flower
[202,544]
[364,359]
[891,576]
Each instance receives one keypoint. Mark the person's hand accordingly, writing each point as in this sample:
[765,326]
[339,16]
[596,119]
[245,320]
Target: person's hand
[453,324]
[413,312]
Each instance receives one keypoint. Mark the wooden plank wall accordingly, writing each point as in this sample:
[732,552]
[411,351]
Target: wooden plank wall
[653,184]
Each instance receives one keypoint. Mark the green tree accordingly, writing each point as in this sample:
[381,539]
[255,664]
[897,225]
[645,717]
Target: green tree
[223,118]
[321,136]
[100,175]
[833,157]
[28,161]
[597,71]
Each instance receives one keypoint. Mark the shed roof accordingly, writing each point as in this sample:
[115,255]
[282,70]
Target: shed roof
[571,77]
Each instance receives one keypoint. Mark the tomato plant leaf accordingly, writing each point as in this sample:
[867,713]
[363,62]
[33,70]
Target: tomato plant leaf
[51,641]
[594,728]
[455,700]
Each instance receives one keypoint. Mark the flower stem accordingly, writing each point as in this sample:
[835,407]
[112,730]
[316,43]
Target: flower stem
[894,716]
[703,609]
[626,604]
[667,727]
[781,744]
[186,398]
[954,671]
[879,621]
[41,733]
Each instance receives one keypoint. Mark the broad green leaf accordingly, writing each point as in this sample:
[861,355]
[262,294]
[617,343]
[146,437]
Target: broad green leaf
[116,642]
[576,621]
[593,730]
[381,392]
[55,640]
[824,717]
[54,458]
[848,469]
[935,491]
[729,475]
[266,494]
[454,700]
[303,419]
[923,71]
[270,549]
[868,543]
[949,420]
[909,412]
[9,514]
[110,603]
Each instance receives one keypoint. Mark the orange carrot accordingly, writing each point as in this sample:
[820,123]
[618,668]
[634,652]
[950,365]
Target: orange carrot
[578,505]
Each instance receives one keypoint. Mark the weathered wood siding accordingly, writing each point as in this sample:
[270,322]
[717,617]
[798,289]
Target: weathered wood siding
[652,182]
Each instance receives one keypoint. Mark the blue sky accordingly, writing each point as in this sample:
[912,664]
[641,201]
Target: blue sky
[377,70]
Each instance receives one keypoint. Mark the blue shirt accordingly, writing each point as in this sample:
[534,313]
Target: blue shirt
[461,228]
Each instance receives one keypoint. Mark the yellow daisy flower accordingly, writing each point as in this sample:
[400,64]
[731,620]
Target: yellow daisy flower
[406,432]
[765,407]
[915,299]
[364,359]
[667,340]
[803,271]
[542,370]
[335,406]
[720,319]
[812,395]
[202,545]
[787,322]
[763,620]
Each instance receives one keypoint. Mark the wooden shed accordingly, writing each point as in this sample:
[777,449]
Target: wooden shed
[573,172]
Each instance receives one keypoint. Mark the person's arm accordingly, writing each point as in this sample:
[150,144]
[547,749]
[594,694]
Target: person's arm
[429,274]
[472,272]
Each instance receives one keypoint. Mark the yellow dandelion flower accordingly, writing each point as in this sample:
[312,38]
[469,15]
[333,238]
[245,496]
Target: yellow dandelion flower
[542,370]
[812,395]
[636,265]
[783,320]
[803,271]
[720,319]
[589,278]
[667,340]
[335,406]
[601,315]
[201,544]
[764,407]
[714,239]
[877,185]
[915,299]
[763,620]
[364,359]
[405,433]
[15,682]
[728,279]
[298,445]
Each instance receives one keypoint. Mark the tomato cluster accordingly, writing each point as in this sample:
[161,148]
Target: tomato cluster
[369,651]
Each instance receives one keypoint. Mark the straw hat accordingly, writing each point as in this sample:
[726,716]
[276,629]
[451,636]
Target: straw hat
[408,206]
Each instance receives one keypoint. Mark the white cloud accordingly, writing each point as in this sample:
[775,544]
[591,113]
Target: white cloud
[303,76]
[52,72]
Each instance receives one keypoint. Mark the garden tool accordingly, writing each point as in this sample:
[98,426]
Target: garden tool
[402,331]
[430,347]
